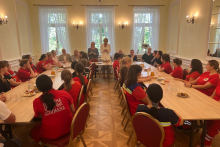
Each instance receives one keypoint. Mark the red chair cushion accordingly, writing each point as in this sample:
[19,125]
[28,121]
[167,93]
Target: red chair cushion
[60,142]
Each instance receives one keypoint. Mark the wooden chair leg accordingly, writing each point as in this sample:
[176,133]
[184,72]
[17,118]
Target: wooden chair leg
[84,144]
[126,124]
[121,102]
[122,112]
[119,95]
[132,132]
[89,98]
[91,91]
[124,118]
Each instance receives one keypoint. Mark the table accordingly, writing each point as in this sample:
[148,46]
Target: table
[24,110]
[103,64]
[197,107]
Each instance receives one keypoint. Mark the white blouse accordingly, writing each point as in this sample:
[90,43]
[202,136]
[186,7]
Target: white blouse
[105,55]
[55,59]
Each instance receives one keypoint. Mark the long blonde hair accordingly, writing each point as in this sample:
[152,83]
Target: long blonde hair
[124,61]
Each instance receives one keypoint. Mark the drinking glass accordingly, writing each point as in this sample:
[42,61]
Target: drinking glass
[53,72]
[167,83]
[19,97]
[13,98]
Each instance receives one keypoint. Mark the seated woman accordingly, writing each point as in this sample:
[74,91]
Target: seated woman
[75,57]
[155,57]
[30,61]
[54,57]
[123,75]
[165,66]
[4,83]
[12,76]
[207,82]
[115,65]
[195,72]
[166,116]
[56,109]
[135,93]
[42,65]
[158,61]
[126,61]
[73,64]
[85,63]
[50,60]
[71,86]
[79,74]
[25,72]
[178,71]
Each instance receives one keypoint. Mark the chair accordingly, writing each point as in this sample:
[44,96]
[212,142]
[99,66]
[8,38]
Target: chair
[185,73]
[80,97]
[77,129]
[93,68]
[97,69]
[87,91]
[90,86]
[148,130]
[94,60]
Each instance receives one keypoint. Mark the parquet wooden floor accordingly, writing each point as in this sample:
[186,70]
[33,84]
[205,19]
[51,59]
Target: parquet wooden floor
[104,127]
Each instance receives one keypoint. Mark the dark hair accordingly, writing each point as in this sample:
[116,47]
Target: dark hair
[123,75]
[155,52]
[73,64]
[3,64]
[117,56]
[23,62]
[131,50]
[177,61]
[42,57]
[67,77]
[160,53]
[155,94]
[132,75]
[84,62]
[53,51]
[196,66]
[7,64]
[166,57]
[215,64]
[26,57]
[84,55]
[81,52]
[44,84]
[80,69]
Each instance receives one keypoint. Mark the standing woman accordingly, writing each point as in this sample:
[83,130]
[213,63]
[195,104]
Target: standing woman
[105,49]
[41,65]
[93,52]
[4,83]
[31,62]
[56,109]
[71,86]
[165,66]
[135,93]
[207,82]
[155,57]
[25,72]
[178,71]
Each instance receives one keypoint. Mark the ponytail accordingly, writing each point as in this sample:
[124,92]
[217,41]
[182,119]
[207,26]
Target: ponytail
[215,65]
[79,70]
[124,61]
[81,77]
[67,77]
[153,112]
[47,98]
[45,84]
[42,57]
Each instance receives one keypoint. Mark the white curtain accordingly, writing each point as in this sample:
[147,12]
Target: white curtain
[94,21]
[54,17]
[145,16]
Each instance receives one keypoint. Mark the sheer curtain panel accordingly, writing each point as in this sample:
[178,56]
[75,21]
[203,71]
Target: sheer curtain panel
[56,18]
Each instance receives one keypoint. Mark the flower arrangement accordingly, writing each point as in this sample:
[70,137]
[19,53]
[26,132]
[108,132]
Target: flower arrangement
[145,46]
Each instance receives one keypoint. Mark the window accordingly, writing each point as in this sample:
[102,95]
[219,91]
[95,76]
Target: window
[146,28]
[100,25]
[53,27]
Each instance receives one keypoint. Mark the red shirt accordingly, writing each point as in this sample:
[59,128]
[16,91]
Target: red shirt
[217,92]
[55,123]
[167,67]
[74,92]
[178,72]
[204,78]
[193,75]
[49,61]
[34,68]
[116,65]
[39,67]
[24,75]
[134,97]
[13,75]
[77,79]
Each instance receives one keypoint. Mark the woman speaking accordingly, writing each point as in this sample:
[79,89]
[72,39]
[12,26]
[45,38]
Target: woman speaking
[105,50]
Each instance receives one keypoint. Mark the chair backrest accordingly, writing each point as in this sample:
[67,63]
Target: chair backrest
[125,100]
[148,130]
[94,60]
[79,120]
[80,97]
[87,91]
[185,73]
[92,71]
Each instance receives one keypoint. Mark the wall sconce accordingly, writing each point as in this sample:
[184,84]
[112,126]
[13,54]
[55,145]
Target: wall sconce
[212,25]
[124,25]
[3,21]
[190,19]
[77,25]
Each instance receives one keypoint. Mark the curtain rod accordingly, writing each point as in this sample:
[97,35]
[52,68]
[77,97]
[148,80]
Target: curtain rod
[49,5]
[99,5]
[146,5]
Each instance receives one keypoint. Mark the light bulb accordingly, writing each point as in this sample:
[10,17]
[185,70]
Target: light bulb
[6,16]
[187,16]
